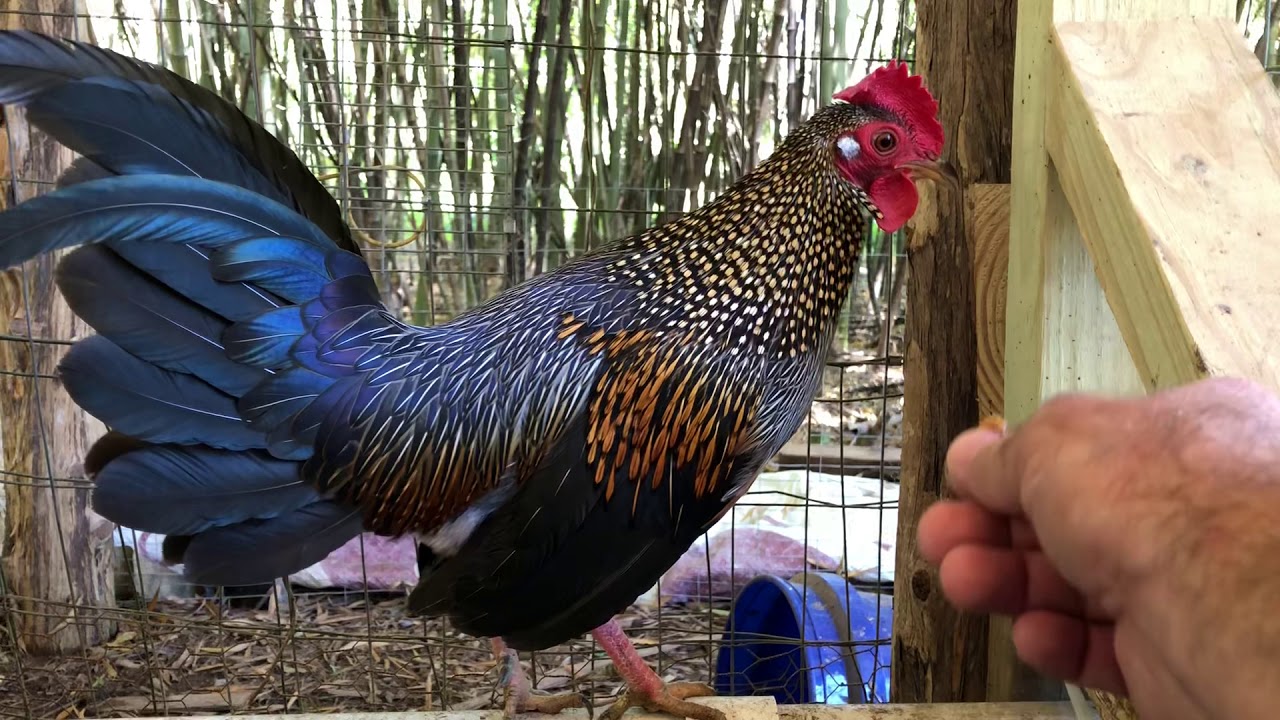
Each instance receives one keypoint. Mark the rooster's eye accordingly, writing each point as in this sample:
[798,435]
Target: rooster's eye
[884,142]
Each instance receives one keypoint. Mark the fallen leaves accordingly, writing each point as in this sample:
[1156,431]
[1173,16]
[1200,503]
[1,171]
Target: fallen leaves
[323,654]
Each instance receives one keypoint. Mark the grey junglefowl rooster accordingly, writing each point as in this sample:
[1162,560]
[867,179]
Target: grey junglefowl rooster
[553,451]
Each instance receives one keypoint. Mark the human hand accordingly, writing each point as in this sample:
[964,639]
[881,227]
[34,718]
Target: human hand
[1136,543]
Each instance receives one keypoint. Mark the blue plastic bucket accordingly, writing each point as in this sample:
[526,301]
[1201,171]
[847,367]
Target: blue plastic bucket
[841,656]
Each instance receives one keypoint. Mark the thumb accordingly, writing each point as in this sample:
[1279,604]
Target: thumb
[1005,473]
[972,460]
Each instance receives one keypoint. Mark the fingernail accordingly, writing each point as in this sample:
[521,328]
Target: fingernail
[966,446]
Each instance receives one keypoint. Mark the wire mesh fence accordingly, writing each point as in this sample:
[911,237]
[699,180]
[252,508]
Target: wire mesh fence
[472,144]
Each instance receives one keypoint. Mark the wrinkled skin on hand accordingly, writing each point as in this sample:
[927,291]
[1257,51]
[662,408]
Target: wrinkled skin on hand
[1136,542]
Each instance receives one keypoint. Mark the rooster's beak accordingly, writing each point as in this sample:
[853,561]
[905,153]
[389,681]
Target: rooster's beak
[936,170]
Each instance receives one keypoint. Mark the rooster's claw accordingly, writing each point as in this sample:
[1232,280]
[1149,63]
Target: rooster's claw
[672,700]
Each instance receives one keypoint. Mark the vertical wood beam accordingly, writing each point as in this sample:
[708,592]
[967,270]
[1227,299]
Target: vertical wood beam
[964,51]
[57,557]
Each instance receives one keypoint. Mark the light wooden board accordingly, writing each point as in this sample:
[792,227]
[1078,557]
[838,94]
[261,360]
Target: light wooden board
[987,230]
[1085,351]
[938,711]
[1080,10]
[1032,218]
[1175,181]
[1061,333]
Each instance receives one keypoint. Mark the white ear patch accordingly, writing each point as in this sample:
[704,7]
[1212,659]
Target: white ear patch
[849,147]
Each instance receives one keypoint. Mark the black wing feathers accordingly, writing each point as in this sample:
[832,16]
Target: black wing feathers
[629,478]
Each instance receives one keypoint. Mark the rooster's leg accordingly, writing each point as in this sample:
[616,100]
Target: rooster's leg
[519,691]
[644,688]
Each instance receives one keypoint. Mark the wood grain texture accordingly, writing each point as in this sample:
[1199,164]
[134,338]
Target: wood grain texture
[1029,173]
[1061,333]
[1033,217]
[986,221]
[1174,183]
[1036,211]
[987,225]
[939,711]
[964,51]
[1084,347]
[1068,10]
[57,553]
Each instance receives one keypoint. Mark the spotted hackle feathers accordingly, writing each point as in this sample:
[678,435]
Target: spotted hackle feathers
[554,450]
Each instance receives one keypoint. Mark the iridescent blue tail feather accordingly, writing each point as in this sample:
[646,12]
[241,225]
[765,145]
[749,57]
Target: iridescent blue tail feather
[210,263]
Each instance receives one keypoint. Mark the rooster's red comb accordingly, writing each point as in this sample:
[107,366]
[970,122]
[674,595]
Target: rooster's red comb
[893,88]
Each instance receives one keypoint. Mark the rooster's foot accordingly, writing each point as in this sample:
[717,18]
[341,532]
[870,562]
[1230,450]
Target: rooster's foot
[526,702]
[670,698]
[519,691]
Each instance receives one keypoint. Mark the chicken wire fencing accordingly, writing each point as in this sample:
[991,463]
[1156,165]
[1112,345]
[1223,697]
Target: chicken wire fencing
[472,144]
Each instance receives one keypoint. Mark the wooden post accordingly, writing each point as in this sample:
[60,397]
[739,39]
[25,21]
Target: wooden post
[57,554]
[964,50]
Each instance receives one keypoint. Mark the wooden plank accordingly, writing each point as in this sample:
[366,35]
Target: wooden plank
[1035,213]
[57,555]
[1081,10]
[987,231]
[759,707]
[939,654]
[1085,350]
[1032,217]
[1060,333]
[1028,220]
[931,711]
[1174,183]
[833,458]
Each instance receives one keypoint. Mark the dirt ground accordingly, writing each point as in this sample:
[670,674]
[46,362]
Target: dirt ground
[338,653]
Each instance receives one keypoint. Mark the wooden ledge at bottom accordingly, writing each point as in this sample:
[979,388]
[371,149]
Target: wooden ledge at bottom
[931,711]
